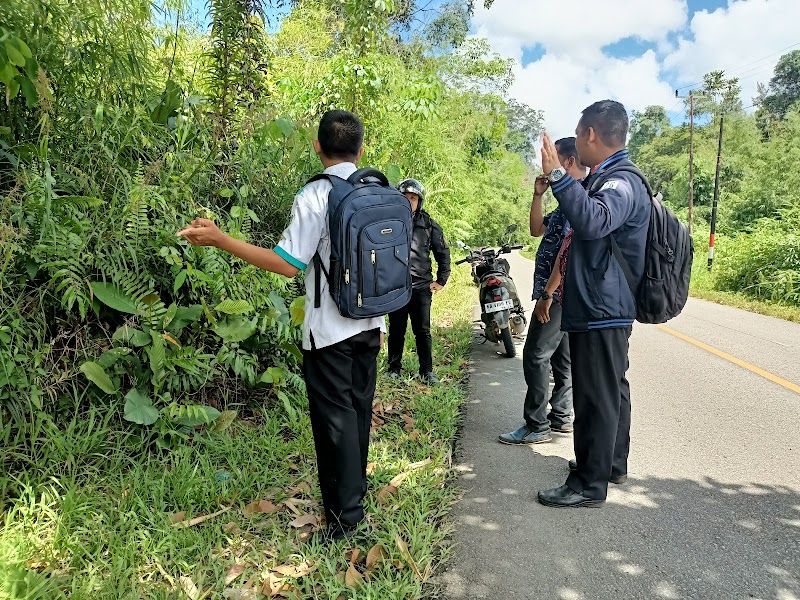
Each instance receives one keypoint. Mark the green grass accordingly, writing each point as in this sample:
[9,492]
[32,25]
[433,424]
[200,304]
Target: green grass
[703,287]
[87,511]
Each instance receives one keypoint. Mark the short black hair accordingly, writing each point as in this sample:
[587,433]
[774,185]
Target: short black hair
[341,134]
[609,120]
[566,147]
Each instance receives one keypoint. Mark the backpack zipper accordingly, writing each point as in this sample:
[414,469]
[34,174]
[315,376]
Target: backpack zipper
[375,271]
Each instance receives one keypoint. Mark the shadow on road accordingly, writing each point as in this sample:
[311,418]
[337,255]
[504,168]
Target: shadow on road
[654,538]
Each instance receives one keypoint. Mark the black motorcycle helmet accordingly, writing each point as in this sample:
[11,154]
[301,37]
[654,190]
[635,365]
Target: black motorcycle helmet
[413,186]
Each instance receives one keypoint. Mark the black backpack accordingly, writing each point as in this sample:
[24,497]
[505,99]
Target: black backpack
[664,288]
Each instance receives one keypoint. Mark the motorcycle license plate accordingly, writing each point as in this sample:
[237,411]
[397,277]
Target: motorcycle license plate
[491,307]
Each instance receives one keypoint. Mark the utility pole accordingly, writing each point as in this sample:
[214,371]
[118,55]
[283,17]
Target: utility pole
[691,156]
[716,197]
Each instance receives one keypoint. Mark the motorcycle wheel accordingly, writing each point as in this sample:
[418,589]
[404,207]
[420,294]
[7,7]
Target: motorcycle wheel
[508,342]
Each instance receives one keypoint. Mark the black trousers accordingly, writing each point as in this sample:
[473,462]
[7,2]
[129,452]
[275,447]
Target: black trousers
[419,309]
[547,345]
[602,397]
[340,380]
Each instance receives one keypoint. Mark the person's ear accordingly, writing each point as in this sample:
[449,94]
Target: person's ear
[360,154]
[317,147]
[591,135]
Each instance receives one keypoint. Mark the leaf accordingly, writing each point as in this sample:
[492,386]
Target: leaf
[226,192]
[131,336]
[30,93]
[393,173]
[233,574]
[179,281]
[234,307]
[375,556]
[184,316]
[139,408]
[260,507]
[386,493]
[284,126]
[23,49]
[353,578]
[171,339]
[177,517]
[98,376]
[225,420]
[297,310]
[300,522]
[420,464]
[158,356]
[409,423]
[189,588]
[231,528]
[14,55]
[201,519]
[371,468]
[151,299]
[398,479]
[401,545]
[110,357]
[114,297]
[271,586]
[239,594]
[236,329]
[170,314]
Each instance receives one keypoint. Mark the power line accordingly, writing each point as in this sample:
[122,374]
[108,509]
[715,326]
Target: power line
[740,68]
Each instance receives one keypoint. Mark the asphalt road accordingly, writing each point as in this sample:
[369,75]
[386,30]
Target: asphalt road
[712,506]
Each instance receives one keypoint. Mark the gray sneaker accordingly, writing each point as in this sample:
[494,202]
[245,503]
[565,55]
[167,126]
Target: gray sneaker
[524,435]
[429,379]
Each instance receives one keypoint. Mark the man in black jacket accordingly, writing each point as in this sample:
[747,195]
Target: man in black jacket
[428,237]
[598,306]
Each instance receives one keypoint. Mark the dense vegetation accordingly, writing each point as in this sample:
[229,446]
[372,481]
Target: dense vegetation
[757,242]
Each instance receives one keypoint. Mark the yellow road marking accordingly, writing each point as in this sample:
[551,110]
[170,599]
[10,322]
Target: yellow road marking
[737,361]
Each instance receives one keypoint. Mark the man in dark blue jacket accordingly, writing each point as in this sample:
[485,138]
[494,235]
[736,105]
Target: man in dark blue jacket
[598,306]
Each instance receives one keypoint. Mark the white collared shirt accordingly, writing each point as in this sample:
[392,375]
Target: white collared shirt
[306,235]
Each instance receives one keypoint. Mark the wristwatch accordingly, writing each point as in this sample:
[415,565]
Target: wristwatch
[545,296]
[556,174]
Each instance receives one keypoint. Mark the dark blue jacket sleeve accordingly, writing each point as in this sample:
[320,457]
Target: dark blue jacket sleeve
[594,217]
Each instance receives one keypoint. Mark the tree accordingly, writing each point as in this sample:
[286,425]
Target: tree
[645,127]
[524,127]
[718,96]
[775,100]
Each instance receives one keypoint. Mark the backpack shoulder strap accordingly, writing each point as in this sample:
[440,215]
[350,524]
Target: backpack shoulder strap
[319,269]
[624,166]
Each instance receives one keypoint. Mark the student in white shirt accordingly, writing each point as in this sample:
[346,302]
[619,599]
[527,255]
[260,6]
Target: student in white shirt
[340,354]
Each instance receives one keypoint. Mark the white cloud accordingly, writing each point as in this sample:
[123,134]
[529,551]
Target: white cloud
[574,71]
[737,38]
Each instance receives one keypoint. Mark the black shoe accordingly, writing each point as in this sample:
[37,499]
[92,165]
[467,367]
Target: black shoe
[562,428]
[565,497]
[338,532]
[393,374]
[429,379]
[615,479]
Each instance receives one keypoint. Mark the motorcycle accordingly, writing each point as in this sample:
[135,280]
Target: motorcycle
[501,311]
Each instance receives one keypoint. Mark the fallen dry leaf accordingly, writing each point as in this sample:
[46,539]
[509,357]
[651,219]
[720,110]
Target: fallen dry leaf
[201,519]
[189,588]
[292,506]
[386,493]
[233,574]
[231,528]
[272,585]
[397,480]
[296,571]
[304,520]
[353,578]
[415,435]
[302,488]
[375,556]
[239,594]
[259,507]
[371,468]
[177,517]
[377,408]
[409,422]
[420,464]
[354,556]
[401,545]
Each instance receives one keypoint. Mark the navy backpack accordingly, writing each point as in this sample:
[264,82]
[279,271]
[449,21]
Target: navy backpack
[370,226]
